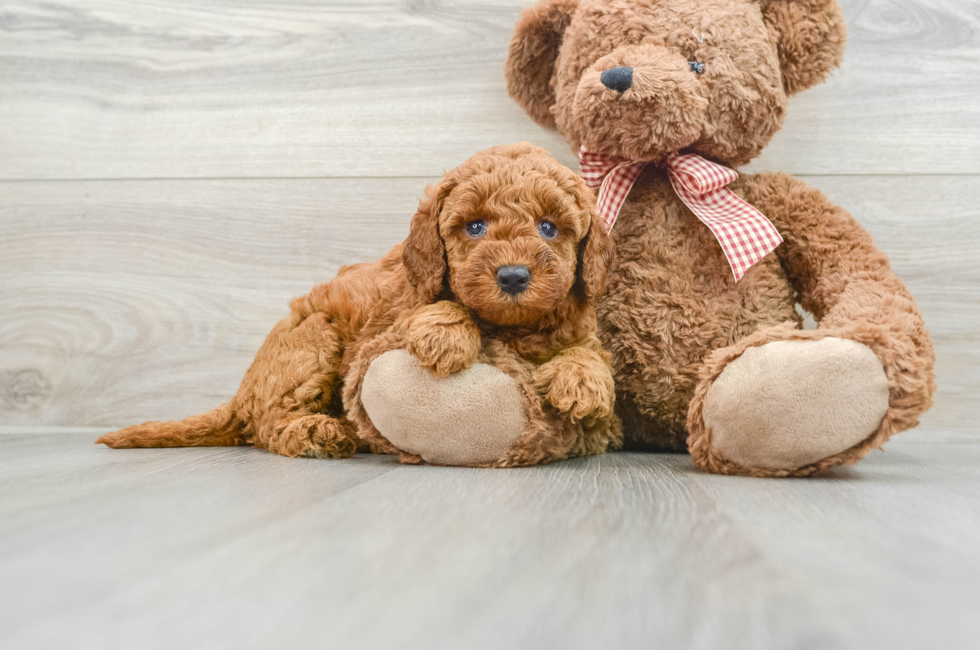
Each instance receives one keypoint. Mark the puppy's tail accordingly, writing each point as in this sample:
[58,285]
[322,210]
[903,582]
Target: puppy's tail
[218,428]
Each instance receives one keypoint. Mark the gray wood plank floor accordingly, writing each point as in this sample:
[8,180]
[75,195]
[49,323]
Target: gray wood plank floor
[237,548]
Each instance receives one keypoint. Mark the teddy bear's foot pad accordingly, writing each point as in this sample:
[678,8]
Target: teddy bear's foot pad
[789,404]
[472,417]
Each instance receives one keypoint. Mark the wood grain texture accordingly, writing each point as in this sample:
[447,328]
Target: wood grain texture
[258,88]
[116,293]
[238,548]
[126,301]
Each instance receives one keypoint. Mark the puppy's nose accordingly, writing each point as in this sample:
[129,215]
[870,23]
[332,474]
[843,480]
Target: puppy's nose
[513,279]
[617,79]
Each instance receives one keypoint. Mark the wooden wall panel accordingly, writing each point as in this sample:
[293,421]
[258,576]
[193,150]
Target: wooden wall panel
[132,300]
[258,88]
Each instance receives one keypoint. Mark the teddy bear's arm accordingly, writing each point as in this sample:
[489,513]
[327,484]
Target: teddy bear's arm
[790,402]
[443,337]
[842,279]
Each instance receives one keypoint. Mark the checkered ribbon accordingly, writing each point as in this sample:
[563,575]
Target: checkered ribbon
[745,235]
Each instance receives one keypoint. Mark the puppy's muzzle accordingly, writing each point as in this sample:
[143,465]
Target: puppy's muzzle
[513,279]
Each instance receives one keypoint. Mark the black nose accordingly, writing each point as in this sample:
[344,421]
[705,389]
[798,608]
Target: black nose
[617,79]
[513,279]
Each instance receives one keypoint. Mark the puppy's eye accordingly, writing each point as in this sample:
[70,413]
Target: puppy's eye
[696,67]
[548,230]
[476,228]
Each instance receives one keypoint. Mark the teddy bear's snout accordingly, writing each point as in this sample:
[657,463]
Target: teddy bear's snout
[640,101]
[619,78]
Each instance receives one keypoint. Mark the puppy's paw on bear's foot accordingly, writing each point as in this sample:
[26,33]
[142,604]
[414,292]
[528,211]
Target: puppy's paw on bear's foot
[444,339]
[473,417]
[578,385]
[788,405]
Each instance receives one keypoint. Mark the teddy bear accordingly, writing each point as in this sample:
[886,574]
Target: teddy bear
[663,100]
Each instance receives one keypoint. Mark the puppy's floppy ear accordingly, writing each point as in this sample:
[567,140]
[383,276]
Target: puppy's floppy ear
[424,253]
[532,55]
[811,35]
[595,252]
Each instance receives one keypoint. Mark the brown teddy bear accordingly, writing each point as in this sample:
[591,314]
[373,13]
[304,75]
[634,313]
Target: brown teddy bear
[662,98]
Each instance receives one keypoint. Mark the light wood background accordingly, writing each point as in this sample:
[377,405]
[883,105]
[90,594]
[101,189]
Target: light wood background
[173,171]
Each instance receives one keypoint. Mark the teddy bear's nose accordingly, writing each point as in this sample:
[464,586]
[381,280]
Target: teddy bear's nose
[617,78]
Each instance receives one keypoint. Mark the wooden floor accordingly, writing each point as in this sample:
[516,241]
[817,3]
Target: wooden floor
[237,548]
[172,172]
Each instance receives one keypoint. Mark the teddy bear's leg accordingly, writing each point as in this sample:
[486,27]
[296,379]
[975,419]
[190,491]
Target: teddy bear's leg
[785,405]
[838,389]
[491,414]
[472,417]
[786,402]
[433,402]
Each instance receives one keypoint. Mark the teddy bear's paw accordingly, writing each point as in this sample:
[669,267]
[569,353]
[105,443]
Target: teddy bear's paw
[788,404]
[472,417]
[581,390]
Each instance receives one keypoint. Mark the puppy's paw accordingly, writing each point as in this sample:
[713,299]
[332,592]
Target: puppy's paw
[315,436]
[444,339]
[445,351]
[578,383]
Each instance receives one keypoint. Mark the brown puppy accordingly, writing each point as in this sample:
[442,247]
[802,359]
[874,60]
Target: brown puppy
[500,267]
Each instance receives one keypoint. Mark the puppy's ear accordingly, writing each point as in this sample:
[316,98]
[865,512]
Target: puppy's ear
[595,252]
[811,35]
[424,253]
[532,55]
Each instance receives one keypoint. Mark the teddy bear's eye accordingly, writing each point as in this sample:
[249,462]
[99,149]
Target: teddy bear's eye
[476,228]
[696,66]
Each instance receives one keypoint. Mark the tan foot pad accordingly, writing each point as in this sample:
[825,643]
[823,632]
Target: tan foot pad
[789,404]
[472,417]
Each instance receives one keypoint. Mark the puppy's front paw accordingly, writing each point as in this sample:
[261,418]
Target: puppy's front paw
[579,384]
[444,353]
[444,340]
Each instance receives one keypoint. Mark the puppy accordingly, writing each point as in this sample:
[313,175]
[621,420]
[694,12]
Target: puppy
[501,265]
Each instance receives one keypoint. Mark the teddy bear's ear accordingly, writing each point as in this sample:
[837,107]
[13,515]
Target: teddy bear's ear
[424,253]
[532,55]
[811,36]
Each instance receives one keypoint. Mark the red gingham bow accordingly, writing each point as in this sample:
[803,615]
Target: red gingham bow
[745,235]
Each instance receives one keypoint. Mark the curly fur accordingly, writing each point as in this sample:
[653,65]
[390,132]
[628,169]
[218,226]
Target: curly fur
[673,318]
[436,296]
